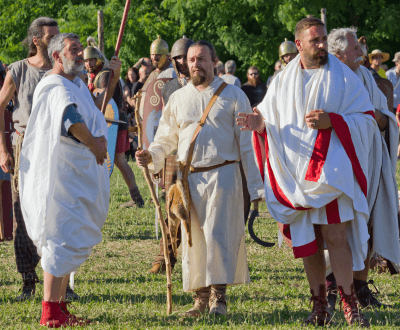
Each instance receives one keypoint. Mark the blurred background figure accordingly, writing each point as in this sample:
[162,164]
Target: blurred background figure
[254,89]
[228,77]
[376,58]
[220,69]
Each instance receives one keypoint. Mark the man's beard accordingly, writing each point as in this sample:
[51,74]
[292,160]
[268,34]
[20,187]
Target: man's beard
[184,71]
[43,49]
[154,64]
[200,78]
[316,60]
[254,81]
[70,66]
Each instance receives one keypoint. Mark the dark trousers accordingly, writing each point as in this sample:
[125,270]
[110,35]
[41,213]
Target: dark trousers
[26,255]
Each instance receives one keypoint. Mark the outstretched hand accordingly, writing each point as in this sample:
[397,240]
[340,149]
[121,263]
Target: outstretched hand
[251,121]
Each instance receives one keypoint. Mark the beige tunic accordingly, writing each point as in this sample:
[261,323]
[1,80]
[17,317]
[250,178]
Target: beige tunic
[218,255]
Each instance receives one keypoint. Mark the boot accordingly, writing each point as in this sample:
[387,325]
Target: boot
[320,314]
[351,310]
[54,317]
[136,199]
[365,296]
[70,294]
[78,320]
[158,268]
[28,289]
[217,302]
[201,299]
[331,292]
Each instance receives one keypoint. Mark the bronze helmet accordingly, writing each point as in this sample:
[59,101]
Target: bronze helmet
[93,52]
[287,47]
[159,46]
[179,48]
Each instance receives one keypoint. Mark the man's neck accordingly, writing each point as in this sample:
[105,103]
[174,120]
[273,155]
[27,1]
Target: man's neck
[40,61]
[230,74]
[307,66]
[397,70]
[207,83]
[142,80]
[375,67]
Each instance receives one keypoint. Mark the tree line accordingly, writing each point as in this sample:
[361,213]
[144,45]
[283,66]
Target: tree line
[247,31]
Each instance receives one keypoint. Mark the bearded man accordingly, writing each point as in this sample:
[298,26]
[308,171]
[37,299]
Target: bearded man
[217,257]
[254,89]
[318,123]
[99,74]
[382,197]
[21,79]
[179,62]
[64,182]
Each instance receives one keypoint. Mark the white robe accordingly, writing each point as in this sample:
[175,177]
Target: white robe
[64,193]
[383,201]
[319,176]
[218,255]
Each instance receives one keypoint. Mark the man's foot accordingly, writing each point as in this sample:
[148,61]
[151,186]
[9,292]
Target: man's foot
[351,310]
[217,301]
[158,268]
[79,320]
[201,299]
[53,316]
[28,289]
[365,296]
[320,314]
[136,199]
[331,292]
[71,295]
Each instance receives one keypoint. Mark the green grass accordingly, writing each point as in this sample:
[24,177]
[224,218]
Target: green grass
[117,292]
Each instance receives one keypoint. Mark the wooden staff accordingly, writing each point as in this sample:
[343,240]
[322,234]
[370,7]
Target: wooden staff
[117,47]
[146,173]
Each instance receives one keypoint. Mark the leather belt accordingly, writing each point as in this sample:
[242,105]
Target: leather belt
[205,169]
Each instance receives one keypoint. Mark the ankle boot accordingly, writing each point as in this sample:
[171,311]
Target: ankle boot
[351,310]
[217,302]
[53,316]
[320,314]
[29,285]
[201,299]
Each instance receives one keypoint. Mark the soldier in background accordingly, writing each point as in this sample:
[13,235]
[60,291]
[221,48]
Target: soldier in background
[99,74]
[287,52]
[179,62]
[254,89]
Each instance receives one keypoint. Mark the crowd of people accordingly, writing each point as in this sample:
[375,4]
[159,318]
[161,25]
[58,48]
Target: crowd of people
[318,141]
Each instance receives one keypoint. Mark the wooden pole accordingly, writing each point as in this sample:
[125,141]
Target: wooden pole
[323,17]
[158,208]
[100,30]
[117,47]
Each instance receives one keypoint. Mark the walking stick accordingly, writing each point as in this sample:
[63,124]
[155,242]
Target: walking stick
[157,204]
[117,47]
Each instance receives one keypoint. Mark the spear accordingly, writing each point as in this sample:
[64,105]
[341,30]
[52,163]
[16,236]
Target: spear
[117,47]
[146,173]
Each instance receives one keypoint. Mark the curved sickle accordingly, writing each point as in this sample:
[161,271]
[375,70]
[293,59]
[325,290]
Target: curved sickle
[253,215]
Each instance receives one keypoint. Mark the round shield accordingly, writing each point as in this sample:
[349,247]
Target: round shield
[113,114]
[152,110]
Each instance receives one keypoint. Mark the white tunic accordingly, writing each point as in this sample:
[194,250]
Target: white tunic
[218,255]
[64,193]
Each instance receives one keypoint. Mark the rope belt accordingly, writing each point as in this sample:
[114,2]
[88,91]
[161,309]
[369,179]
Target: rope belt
[15,177]
[205,169]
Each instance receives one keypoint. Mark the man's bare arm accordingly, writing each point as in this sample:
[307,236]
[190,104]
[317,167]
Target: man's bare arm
[115,65]
[381,119]
[6,94]
[97,145]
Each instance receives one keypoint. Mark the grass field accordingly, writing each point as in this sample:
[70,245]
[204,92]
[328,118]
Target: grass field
[117,293]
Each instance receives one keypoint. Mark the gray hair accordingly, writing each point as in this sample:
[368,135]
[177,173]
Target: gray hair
[337,39]
[230,66]
[57,44]
[220,67]
[36,30]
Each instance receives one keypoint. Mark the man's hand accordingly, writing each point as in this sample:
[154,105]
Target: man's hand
[115,65]
[6,162]
[318,119]
[143,157]
[98,146]
[251,121]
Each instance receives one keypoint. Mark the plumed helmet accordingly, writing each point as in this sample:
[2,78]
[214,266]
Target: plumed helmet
[287,47]
[92,52]
[181,47]
[159,46]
